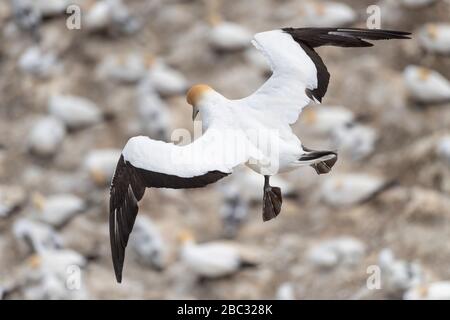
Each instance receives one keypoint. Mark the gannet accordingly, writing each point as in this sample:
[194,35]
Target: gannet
[76,112]
[435,37]
[214,259]
[254,130]
[426,85]
[46,136]
[439,290]
[99,164]
[27,16]
[400,276]
[225,36]
[148,244]
[330,14]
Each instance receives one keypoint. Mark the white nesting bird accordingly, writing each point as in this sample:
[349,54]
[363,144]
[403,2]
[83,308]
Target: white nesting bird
[348,189]
[225,36]
[166,80]
[27,16]
[346,251]
[325,119]
[34,236]
[439,290]
[57,209]
[75,112]
[55,274]
[233,211]
[56,261]
[213,259]
[285,291]
[248,184]
[242,190]
[46,136]
[128,68]
[153,113]
[148,244]
[398,276]
[327,14]
[112,15]
[228,36]
[38,62]
[425,85]
[254,130]
[357,140]
[435,37]
[100,164]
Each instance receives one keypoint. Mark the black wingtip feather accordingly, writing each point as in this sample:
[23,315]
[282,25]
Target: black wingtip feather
[343,37]
[310,38]
[127,188]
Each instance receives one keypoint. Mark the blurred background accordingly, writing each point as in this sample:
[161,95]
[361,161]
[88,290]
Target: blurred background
[79,78]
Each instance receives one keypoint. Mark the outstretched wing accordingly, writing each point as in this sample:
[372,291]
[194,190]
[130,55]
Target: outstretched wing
[147,163]
[299,74]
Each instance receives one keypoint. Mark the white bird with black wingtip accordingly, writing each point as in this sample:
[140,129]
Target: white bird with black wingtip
[254,130]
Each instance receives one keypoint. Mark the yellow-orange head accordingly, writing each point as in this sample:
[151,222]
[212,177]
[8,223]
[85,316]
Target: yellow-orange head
[196,92]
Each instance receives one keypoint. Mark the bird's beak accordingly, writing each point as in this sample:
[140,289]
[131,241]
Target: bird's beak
[194,112]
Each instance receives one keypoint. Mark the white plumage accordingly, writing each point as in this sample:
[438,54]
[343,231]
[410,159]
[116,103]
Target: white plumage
[100,164]
[110,14]
[213,259]
[327,14]
[75,112]
[355,139]
[57,209]
[433,291]
[248,184]
[228,36]
[435,37]
[153,113]
[38,62]
[147,243]
[398,275]
[33,236]
[46,136]
[166,80]
[326,119]
[254,130]
[348,189]
[49,274]
[343,250]
[128,68]
[426,85]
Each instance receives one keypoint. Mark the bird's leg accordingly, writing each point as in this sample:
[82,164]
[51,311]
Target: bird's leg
[272,200]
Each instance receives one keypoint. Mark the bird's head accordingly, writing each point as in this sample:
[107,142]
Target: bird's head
[196,95]
[185,236]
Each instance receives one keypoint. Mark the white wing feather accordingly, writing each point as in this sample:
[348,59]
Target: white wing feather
[293,72]
[219,150]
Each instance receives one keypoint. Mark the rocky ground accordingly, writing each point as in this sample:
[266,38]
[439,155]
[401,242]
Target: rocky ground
[385,203]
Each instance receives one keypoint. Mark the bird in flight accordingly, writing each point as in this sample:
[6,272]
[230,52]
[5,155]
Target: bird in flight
[254,130]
